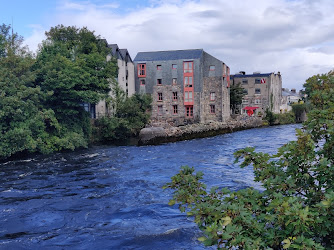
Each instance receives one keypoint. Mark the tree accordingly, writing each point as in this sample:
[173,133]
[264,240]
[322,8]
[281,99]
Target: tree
[71,66]
[25,125]
[236,95]
[296,209]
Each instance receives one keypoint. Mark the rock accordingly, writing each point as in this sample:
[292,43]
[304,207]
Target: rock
[147,134]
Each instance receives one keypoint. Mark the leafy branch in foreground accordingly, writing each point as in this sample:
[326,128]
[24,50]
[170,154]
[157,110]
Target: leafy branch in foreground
[296,209]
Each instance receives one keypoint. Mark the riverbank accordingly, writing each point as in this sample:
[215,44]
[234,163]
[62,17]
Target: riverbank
[163,132]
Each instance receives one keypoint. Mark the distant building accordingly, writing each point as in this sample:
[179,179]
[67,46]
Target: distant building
[187,86]
[262,91]
[289,98]
[125,76]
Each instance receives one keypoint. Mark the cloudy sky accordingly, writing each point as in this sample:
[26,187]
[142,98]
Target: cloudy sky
[295,37]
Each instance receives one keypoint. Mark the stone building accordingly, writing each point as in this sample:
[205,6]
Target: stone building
[187,86]
[125,78]
[262,90]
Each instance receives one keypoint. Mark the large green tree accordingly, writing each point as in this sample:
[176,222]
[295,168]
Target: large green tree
[25,125]
[72,67]
[296,209]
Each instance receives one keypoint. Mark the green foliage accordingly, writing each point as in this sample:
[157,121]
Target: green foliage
[298,110]
[270,117]
[130,115]
[286,118]
[296,209]
[236,95]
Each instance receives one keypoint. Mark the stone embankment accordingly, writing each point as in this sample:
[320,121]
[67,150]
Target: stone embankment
[163,132]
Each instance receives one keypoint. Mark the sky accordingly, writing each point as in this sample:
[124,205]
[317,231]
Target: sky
[293,37]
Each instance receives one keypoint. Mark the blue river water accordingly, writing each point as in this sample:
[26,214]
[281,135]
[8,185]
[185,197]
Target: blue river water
[110,197]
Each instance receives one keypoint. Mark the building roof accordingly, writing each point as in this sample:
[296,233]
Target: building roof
[252,75]
[169,55]
[125,54]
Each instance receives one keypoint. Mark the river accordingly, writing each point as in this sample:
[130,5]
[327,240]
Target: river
[111,197]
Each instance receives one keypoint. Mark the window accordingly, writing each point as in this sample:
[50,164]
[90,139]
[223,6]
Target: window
[189,111]
[188,67]
[159,81]
[159,96]
[174,96]
[245,91]
[188,81]
[257,91]
[212,109]
[159,67]
[244,101]
[212,67]
[244,81]
[188,96]
[212,96]
[257,81]
[160,110]
[141,70]
[174,109]
[174,66]
[174,82]
[142,82]
[257,101]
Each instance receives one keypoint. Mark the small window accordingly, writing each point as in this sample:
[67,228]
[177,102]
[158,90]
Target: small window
[142,82]
[174,96]
[212,96]
[189,111]
[245,91]
[212,109]
[174,66]
[159,109]
[244,81]
[257,91]
[174,82]
[159,81]
[188,96]
[174,109]
[257,101]
[257,81]
[212,67]
[188,67]
[159,96]
[244,101]
[188,81]
[141,70]
[159,67]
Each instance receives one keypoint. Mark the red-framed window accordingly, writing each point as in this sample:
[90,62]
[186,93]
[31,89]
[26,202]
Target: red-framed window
[188,96]
[174,96]
[159,67]
[175,109]
[160,97]
[141,70]
[159,81]
[212,109]
[212,96]
[189,111]
[174,81]
[188,67]
[142,82]
[159,109]
[212,68]
[188,81]
[174,66]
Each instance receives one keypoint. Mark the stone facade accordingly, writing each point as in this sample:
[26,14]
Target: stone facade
[187,86]
[262,91]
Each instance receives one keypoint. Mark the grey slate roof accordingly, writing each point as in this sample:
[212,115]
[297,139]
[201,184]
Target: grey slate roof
[125,54]
[169,55]
[252,75]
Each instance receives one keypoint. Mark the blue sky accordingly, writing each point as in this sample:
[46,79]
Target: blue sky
[295,37]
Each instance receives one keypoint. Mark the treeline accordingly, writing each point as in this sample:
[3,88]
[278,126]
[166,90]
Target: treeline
[42,96]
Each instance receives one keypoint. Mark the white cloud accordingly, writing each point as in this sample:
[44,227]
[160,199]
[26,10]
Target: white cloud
[293,37]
